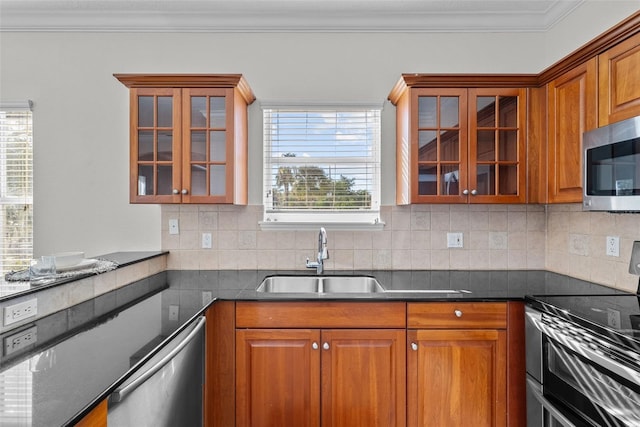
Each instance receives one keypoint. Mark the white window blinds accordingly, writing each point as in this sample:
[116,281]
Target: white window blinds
[322,165]
[16,186]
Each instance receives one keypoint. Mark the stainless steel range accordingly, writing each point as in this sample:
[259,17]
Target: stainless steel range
[583,361]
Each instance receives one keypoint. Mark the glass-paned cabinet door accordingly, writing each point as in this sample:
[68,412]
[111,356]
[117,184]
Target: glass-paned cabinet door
[497,130]
[155,151]
[207,114]
[440,147]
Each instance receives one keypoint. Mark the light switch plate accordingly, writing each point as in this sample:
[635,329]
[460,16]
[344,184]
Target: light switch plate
[173,226]
[454,240]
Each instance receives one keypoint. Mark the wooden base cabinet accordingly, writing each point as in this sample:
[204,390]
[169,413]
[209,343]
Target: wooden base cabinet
[291,371]
[456,364]
[320,378]
[456,378]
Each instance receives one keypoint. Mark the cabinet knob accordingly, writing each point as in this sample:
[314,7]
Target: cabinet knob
[184,191]
[325,346]
[458,313]
[465,192]
[474,192]
[315,345]
[414,346]
[175,191]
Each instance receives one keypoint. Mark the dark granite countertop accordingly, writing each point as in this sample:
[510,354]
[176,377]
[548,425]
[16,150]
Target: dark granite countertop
[9,290]
[84,352]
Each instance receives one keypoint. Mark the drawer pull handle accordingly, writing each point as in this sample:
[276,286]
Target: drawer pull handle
[325,346]
[458,313]
[315,345]
[414,346]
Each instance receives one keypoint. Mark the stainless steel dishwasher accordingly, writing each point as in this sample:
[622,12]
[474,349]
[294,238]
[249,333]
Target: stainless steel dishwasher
[168,389]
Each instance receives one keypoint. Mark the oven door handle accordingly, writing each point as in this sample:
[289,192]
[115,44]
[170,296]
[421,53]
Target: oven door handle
[594,356]
[548,406]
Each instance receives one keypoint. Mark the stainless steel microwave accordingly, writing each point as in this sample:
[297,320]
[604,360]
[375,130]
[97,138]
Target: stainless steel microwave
[611,178]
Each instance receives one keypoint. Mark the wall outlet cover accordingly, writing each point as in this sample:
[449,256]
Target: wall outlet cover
[613,246]
[22,310]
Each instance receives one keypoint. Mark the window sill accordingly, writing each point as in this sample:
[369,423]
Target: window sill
[345,226]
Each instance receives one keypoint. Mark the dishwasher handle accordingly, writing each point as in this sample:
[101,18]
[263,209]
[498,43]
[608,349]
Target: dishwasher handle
[121,392]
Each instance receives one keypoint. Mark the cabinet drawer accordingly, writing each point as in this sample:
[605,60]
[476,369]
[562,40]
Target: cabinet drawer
[455,315]
[320,315]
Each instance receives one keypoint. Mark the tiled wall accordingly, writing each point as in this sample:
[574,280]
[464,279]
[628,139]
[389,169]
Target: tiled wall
[415,237]
[576,245]
[559,238]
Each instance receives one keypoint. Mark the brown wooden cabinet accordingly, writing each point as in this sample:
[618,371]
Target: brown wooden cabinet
[459,145]
[571,111]
[619,82]
[456,364]
[188,138]
[312,376]
[96,418]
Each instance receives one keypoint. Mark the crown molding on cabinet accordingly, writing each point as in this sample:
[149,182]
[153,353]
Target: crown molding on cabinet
[608,39]
[189,80]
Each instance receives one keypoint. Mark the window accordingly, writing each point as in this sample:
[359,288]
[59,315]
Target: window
[321,166]
[16,186]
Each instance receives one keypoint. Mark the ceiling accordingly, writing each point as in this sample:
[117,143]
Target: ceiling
[284,15]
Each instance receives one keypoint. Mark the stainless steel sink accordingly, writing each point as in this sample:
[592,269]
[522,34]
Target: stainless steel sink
[351,284]
[337,285]
[320,284]
[289,284]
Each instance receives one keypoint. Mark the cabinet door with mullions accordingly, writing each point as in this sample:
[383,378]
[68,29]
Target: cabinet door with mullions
[208,117]
[497,145]
[440,145]
[155,148]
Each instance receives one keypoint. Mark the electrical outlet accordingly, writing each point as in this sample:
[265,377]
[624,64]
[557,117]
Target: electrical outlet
[20,340]
[174,312]
[206,240]
[613,318]
[613,246]
[173,226]
[454,240]
[17,312]
[206,297]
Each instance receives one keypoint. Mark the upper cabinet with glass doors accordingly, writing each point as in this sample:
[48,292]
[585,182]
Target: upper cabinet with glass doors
[188,138]
[459,145]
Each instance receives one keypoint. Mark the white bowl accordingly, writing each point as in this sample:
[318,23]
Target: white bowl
[68,259]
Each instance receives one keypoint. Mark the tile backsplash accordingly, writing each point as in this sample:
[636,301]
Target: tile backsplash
[576,245]
[414,237]
[559,238]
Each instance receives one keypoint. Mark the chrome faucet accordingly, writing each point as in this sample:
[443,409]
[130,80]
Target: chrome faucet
[323,252]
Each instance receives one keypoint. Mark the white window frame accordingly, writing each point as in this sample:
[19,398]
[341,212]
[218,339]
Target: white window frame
[26,199]
[311,219]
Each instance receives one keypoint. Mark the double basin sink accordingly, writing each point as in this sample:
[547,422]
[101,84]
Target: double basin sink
[335,284]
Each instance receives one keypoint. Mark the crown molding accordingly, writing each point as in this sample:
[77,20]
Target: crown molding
[283,16]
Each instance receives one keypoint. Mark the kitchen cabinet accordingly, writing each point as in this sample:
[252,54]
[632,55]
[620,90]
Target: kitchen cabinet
[456,364]
[188,138]
[96,418]
[320,364]
[619,82]
[571,111]
[459,145]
